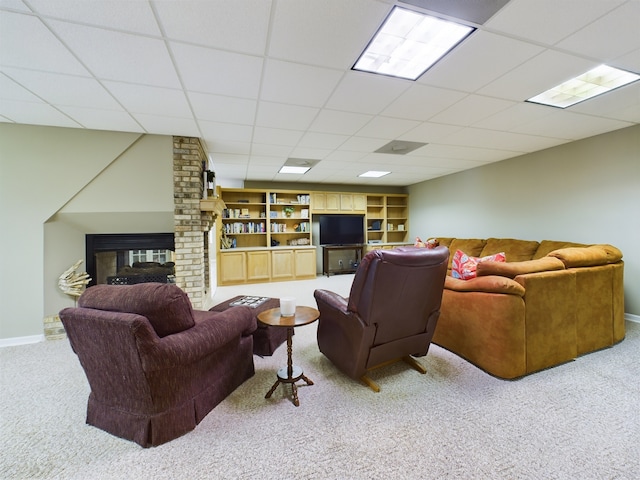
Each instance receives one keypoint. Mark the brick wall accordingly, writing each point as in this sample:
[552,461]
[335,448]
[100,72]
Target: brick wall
[190,223]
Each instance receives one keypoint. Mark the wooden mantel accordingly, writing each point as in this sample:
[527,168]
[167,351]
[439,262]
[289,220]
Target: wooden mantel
[213,204]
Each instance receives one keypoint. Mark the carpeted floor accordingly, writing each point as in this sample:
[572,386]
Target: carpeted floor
[580,420]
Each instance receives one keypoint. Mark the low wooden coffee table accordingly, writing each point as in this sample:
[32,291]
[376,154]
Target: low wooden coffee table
[289,374]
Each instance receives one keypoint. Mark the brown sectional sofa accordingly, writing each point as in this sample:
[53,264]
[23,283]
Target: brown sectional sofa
[551,302]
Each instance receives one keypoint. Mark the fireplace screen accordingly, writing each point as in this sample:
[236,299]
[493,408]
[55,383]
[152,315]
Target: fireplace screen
[126,259]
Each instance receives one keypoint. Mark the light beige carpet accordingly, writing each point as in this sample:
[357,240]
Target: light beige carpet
[580,420]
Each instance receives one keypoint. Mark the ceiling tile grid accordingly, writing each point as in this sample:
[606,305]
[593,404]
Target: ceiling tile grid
[264,80]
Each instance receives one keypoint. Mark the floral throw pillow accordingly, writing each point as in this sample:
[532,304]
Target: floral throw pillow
[464,267]
[431,243]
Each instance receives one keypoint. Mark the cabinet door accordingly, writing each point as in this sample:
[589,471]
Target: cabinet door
[305,261]
[258,265]
[282,264]
[319,201]
[359,202]
[333,202]
[346,202]
[232,267]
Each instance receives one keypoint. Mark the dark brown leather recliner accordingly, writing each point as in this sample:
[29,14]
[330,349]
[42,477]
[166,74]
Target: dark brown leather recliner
[155,366]
[390,314]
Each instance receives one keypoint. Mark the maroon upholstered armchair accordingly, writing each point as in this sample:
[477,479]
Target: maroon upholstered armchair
[155,366]
[390,314]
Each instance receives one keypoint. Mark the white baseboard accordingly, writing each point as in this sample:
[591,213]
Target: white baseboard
[14,341]
[632,318]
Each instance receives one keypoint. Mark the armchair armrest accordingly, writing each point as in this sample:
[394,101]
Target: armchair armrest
[211,332]
[342,335]
[331,300]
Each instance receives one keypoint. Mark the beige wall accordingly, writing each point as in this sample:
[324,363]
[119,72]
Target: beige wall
[586,191]
[57,184]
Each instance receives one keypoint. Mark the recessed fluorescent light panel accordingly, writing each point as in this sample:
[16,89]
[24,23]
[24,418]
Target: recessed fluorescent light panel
[296,170]
[374,174]
[595,82]
[408,43]
[297,166]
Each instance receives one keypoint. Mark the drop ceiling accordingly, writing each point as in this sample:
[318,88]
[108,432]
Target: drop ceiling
[262,81]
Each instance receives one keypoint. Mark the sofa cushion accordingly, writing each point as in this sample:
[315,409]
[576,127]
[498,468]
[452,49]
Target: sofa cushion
[488,284]
[587,256]
[513,269]
[515,250]
[464,266]
[165,305]
[548,246]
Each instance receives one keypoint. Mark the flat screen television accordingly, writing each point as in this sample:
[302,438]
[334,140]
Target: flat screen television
[341,229]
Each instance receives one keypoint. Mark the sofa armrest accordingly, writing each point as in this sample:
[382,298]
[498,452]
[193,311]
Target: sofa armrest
[587,256]
[488,284]
[210,333]
[513,269]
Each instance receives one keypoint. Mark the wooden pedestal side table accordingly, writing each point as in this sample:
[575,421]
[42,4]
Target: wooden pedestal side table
[289,374]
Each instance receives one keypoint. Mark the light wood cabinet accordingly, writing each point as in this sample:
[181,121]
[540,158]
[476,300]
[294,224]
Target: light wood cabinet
[258,265]
[232,267]
[282,266]
[305,263]
[338,202]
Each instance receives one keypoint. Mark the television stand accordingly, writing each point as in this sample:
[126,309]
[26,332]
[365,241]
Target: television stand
[348,265]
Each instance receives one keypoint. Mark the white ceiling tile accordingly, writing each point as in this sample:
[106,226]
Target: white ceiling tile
[120,56]
[35,114]
[241,149]
[331,33]
[168,125]
[486,58]
[128,15]
[471,110]
[276,136]
[310,153]
[322,140]
[596,40]
[287,82]
[366,93]
[214,71]
[570,126]
[386,127]
[421,102]
[14,5]
[493,139]
[428,132]
[542,72]
[261,149]
[363,144]
[221,108]
[65,89]
[240,25]
[548,21]
[226,132]
[271,162]
[150,100]
[346,156]
[341,123]
[41,50]
[620,104]
[94,119]
[9,89]
[287,117]
[514,116]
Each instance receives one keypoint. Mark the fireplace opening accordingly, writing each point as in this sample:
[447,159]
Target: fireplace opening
[129,258]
